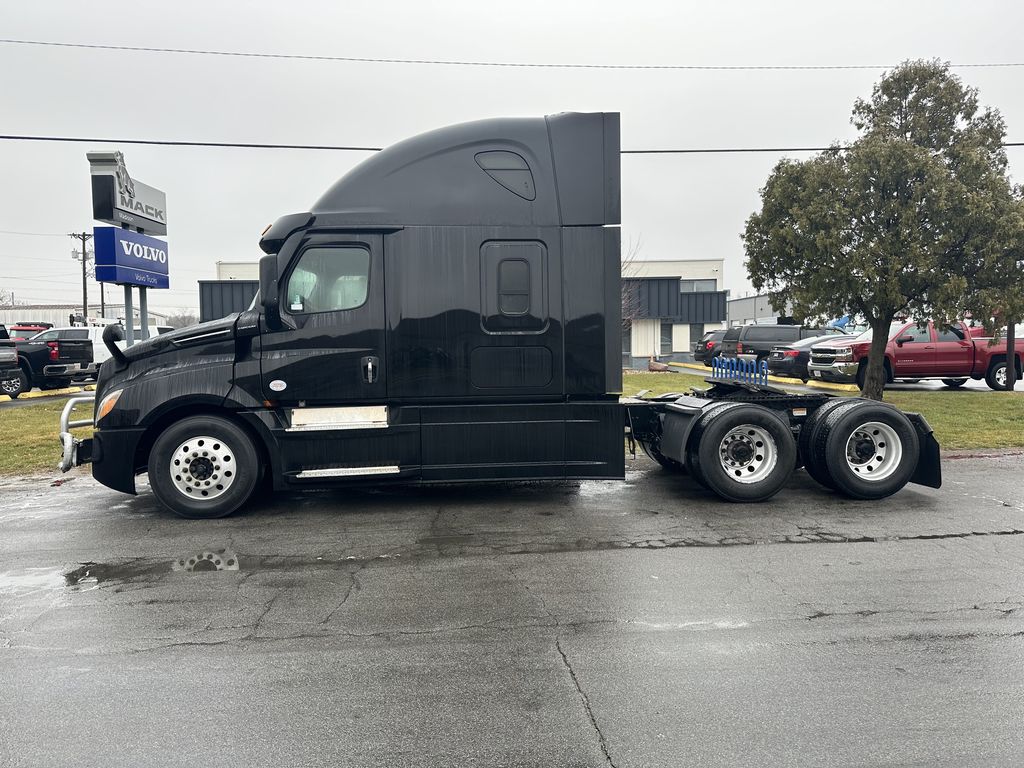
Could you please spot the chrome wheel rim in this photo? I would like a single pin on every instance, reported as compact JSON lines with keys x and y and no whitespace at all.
{"x":748,"y":454}
{"x":203,"y":468}
{"x":1000,"y":375}
{"x":10,"y":385}
{"x":874,"y":451}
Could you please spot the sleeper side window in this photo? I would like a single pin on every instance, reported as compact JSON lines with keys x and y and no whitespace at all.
{"x":513,"y":287}
{"x":328,"y":280}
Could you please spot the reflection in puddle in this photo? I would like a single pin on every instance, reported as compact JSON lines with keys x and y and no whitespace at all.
{"x":218,"y":560}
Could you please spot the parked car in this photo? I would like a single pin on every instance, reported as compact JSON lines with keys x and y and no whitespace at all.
{"x":10,"y":373}
{"x":914,"y":352}
{"x":49,"y":360}
{"x":790,"y":360}
{"x":709,"y":347}
{"x":755,"y":342}
{"x":24,"y":331}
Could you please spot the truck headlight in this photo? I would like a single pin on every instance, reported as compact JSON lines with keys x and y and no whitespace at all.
{"x":844,"y":354}
{"x":107,"y":404}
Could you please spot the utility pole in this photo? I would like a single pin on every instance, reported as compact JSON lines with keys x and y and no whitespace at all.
{"x":84,"y":237}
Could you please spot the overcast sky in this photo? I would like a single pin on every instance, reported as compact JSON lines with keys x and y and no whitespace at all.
{"x":219,"y":200}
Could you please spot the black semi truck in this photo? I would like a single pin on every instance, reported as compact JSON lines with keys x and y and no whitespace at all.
{"x":449,"y":311}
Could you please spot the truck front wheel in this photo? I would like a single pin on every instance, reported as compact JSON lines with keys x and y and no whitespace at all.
{"x":743,"y":454}
{"x":203,"y":467}
{"x":870,"y":449}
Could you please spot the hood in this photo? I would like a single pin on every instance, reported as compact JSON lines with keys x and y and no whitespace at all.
{"x":222,"y":329}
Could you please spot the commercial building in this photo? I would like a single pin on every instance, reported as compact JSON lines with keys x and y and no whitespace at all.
{"x":755,"y":309}
{"x":61,"y":314}
{"x":667,"y":306}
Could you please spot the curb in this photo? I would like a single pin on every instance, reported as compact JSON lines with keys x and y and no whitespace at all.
{"x":50,"y":393}
{"x":779,"y":380}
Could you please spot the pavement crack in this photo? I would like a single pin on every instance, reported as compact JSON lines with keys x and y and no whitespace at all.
{"x":353,"y":587}
{"x":602,"y":742}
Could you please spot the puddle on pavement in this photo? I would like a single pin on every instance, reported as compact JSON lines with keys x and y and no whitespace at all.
{"x":216,"y":560}
{"x":31,"y":581}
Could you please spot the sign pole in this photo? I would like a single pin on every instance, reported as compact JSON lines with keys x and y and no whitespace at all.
{"x":129,"y":334}
{"x":144,"y":312}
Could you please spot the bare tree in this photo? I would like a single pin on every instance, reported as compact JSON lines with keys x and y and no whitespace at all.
{"x":6,"y":298}
{"x":182,"y":319}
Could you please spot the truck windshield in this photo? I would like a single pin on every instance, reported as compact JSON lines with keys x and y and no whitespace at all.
{"x":866,"y":335}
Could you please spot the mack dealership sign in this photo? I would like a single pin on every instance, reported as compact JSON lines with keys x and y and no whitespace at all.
{"x":128,"y":258}
{"x":119,"y":199}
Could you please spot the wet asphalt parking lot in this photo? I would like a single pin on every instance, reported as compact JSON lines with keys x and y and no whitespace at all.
{"x":636,"y":623}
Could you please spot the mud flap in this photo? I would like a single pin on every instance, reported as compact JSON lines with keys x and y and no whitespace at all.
{"x":929,"y":467}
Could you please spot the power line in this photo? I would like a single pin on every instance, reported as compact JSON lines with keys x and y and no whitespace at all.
{"x":474,"y":63}
{"x":162,"y":143}
{"x":344,"y":148}
{"x":32,"y":234}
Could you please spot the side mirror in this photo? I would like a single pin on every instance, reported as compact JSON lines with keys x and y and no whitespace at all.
{"x":269,"y":297}
{"x":904,"y":339}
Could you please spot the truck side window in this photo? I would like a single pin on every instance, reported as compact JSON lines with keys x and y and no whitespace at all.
{"x":328,"y":280}
{"x":513,"y":286}
{"x":950,"y":334}
{"x":921,"y":334}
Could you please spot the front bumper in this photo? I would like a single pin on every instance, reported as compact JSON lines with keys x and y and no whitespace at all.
{"x":110,"y":451}
{"x":839,"y":372}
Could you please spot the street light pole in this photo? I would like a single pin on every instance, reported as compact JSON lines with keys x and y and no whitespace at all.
{"x":84,"y":237}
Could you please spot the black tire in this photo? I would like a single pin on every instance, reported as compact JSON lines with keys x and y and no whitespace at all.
{"x":954,"y":383}
{"x":996,"y":375}
{"x":14,"y":386}
{"x":756,"y":432}
{"x":655,"y":453}
{"x":814,"y":462}
{"x":862,"y":373}
{"x":690,"y":461}
{"x":894,"y":455}
{"x":230,"y":446}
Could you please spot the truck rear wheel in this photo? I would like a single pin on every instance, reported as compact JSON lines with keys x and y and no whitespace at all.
{"x":15,"y":385}
{"x":996,"y":376}
{"x":203,"y":467}
{"x":743,"y":454}
{"x":814,"y":462}
{"x":954,"y":383}
{"x":690,"y":459}
{"x":870,"y":449}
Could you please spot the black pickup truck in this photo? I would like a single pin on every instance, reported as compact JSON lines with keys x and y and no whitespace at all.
{"x":49,"y":360}
{"x":10,"y":373}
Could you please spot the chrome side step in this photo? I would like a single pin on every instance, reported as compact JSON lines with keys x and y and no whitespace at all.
{"x":308,"y":474}
{"x":323,"y":419}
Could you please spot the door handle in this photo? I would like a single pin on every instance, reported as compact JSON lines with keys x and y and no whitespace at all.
{"x":371,"y":369}
{"x":929,"y":347}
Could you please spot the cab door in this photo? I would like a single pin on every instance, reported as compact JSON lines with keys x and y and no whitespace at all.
{"x":954,"y":352}
{"x":330,"y":350}
{"x":916,"y":355}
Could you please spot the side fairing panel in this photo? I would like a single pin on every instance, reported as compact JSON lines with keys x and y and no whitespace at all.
{"x":446,"y":340}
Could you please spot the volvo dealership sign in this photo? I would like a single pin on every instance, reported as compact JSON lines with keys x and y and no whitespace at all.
{"x":128,"y":258}
{"x":119,"y":199}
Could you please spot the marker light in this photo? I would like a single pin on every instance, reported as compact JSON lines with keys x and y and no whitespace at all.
{"x":107,"y":404}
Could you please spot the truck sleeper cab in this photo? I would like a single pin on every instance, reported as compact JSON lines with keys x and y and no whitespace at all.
{"x":449,"y":311}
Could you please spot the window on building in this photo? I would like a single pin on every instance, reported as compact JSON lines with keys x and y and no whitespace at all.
{"x":627,"y":337}
{"x":697,"y":286}
{"x":666,"y":338}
